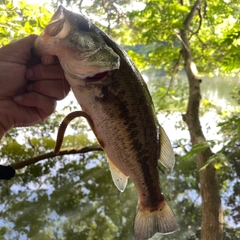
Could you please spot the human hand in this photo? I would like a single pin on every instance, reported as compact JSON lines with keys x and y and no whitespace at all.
{"x":28,"y":91}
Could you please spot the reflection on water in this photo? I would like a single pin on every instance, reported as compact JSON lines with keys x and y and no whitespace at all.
{"x":218,"y":89}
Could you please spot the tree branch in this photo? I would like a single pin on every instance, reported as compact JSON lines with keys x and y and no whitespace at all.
{"x":200,"y":23}
{"x":65,"y":151}
{"x":176,"y":65}
{"x":191,"y":14}
{"x":80,"y":5}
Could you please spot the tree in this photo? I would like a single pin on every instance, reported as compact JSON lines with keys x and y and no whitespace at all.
{"x":189,"y":24}
{"x":212,"y":214}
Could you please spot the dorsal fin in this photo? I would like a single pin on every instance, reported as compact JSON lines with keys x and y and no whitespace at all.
{"x":119,"y":179}
{"x":167,"y":156}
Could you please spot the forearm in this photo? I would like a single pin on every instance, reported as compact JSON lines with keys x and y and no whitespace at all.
{"x":6,"y":121}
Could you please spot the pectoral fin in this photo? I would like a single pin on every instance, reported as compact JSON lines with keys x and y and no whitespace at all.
{"x":167,"y":156}
{"x":119,"y":179}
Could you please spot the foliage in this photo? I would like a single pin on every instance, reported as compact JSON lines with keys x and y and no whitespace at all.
{"x":20,"y":19}
{"x":231,"y":165}
{"x":168,"y":92}
{"x":79,"y":195}
{"x":158,"y":24}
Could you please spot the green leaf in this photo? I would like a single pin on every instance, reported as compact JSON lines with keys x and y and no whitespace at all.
{"x":216,"y":157}
{"x":197,"y":148}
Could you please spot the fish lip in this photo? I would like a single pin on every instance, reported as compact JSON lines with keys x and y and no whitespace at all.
{"x":64,"y":13}
{"x":61,"y":14}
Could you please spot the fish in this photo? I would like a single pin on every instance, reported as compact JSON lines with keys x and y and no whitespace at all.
{"x":117,"y":104}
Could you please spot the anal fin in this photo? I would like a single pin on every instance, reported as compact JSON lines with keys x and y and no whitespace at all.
{"x":167,"y":156}
{"x":119,"y":178}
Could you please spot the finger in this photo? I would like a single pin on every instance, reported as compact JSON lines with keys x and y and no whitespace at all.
{"x":45,"y":105}
{"x":57,"y":89}
{"x":49,"y":60}
{"x":41,"y":71}
{"x":19,"y":50}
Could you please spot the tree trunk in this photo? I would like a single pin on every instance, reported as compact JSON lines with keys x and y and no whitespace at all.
{"x":212,"y":214}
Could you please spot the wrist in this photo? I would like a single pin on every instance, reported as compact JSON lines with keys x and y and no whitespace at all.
{"x":2,"y":131}
{"x":3,"y":127}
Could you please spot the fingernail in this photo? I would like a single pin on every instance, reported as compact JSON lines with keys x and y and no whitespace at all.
{"x":29,"y":73}
{"x":18,"y":98}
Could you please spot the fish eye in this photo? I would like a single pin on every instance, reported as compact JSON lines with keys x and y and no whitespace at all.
{"x":83,"y":26}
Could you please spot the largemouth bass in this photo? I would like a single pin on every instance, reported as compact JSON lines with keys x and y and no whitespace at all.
{"x":116,"y":102}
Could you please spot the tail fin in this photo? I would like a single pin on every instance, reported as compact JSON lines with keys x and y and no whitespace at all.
{"x":160,"y":221}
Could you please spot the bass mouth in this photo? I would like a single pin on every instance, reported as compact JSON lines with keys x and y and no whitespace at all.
{"x":97,"y":77}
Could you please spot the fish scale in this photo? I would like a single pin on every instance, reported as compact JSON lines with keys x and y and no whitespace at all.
{"x":118,"y":106}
